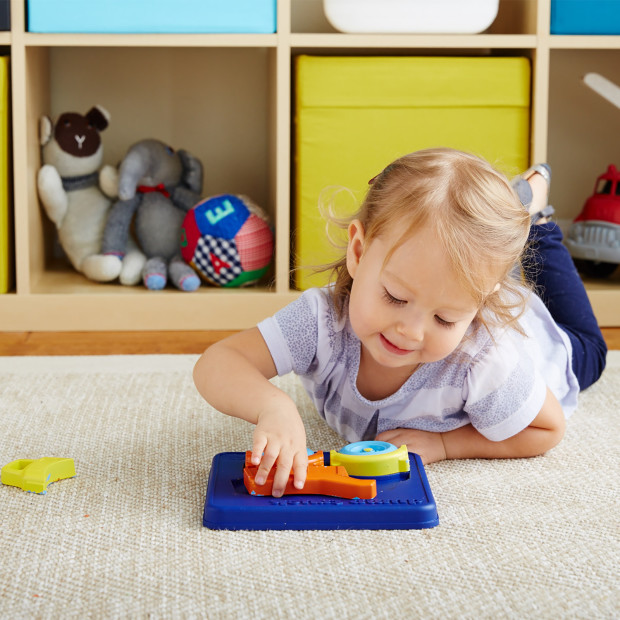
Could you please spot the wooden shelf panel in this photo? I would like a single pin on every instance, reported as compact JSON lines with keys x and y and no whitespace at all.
{"x":606,"y":304}
{"x":60,"y":279}
{"x":412,"y":41}
{"x":140,"y":310}
{"x":149,"y":40}
{"x":582,"y":42}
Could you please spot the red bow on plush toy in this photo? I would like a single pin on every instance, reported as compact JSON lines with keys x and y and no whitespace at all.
{"x":161,"y":188}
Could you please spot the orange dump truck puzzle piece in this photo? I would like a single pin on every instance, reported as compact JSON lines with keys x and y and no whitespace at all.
{"x":322,"y":479}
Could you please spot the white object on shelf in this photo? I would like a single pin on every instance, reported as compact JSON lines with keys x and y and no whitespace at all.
{"x":411,"y":16}
{"x":603,"y":87}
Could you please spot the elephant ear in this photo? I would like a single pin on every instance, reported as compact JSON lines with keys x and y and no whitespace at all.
{"x":192,"y":171}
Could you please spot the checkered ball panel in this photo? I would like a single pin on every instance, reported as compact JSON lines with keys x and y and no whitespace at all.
{"x":218,"y":259}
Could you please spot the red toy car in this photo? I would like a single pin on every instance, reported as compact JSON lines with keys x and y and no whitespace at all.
{"x":594,"y":237}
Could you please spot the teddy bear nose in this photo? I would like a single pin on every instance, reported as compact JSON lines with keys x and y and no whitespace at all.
{"x":80,"y":141}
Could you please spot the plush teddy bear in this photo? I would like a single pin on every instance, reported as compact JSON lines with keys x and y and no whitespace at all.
{"x":158,"y":185}
{"x":70,"y":184}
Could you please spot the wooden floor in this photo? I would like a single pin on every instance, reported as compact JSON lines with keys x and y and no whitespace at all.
{"x":106,"y":343}
{"x":130,"y":343}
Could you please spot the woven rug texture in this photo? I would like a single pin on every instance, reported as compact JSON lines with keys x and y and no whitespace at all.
{"x":533,"y":538}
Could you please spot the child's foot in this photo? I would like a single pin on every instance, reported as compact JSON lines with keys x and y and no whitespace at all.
{"x":535,"y":193}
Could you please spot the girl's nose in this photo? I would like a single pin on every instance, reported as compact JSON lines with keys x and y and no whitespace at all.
{"x":412,"y":328}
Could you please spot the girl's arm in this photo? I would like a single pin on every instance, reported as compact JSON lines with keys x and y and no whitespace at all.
{"x":233,"y":376}
{"x":545,"y":431}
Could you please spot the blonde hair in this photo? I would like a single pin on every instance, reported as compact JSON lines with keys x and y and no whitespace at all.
{"x":475,"y":213}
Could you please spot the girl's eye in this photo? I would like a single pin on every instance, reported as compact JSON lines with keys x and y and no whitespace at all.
{"x":391,"y":299}
{"x":444,"y":323}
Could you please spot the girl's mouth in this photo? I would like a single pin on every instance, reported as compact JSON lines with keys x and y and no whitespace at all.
{"x":392,"y":348}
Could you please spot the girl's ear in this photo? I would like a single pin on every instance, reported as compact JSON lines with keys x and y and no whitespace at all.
{"x":355,"y":248}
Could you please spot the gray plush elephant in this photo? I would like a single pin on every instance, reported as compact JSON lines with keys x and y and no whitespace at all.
{"x":158,"y":185}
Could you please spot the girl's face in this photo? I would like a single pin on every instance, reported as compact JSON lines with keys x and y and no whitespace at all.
{"x":410,"y":309}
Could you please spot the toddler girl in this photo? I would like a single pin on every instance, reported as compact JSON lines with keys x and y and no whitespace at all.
{"x":428,"y":335}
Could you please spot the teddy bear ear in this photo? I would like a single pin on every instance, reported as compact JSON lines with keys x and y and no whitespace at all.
{"x":45,"y":130}
{"x":99,"y":117}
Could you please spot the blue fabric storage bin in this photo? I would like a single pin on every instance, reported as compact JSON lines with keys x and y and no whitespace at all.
{"x":585,"y":16}
{"x":152,"y":16}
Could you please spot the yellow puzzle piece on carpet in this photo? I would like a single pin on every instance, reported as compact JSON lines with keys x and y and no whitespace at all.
{"x":35,"y":474}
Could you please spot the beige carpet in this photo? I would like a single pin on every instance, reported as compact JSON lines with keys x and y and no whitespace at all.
{"x":536,"y":538}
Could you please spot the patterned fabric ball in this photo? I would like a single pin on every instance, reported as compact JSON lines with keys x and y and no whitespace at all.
{"x":227,"y":240}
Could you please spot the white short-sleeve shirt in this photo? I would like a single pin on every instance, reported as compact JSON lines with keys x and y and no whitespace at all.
{"x":496,"y":384}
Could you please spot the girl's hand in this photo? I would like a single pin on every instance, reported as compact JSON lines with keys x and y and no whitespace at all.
{"x":428,"y":445}
{"x":280,"y":441}
{"x":279,"y":438}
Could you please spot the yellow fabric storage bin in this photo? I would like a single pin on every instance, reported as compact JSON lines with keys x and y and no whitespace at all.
{"x":5,"y":236}
{"x":354,"y":115}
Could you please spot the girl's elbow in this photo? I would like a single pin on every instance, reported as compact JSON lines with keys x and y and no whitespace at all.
{"x":558,"y":431}
{"x":551,"y":423}
{"x":551,"y":436}
{"x":200,"y":372}
{"x":197,"y":375}
{"x":196,"y":372}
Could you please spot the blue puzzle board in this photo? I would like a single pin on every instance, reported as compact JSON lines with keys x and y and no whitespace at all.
{"x":400,"y":503}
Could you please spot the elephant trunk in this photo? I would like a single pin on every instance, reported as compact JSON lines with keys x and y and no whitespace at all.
{"x":135,"y":166}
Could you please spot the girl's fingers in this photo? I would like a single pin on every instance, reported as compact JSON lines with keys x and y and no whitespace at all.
{"x":283,"y":471}
{"x":266,"y":455}
{"x":300,"y":471}
{"x":269,"y":457}
{"x":257,"y":449}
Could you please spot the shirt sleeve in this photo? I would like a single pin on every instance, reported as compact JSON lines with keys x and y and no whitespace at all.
{"x":504,"y":391}
{"x":291,"y":334}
